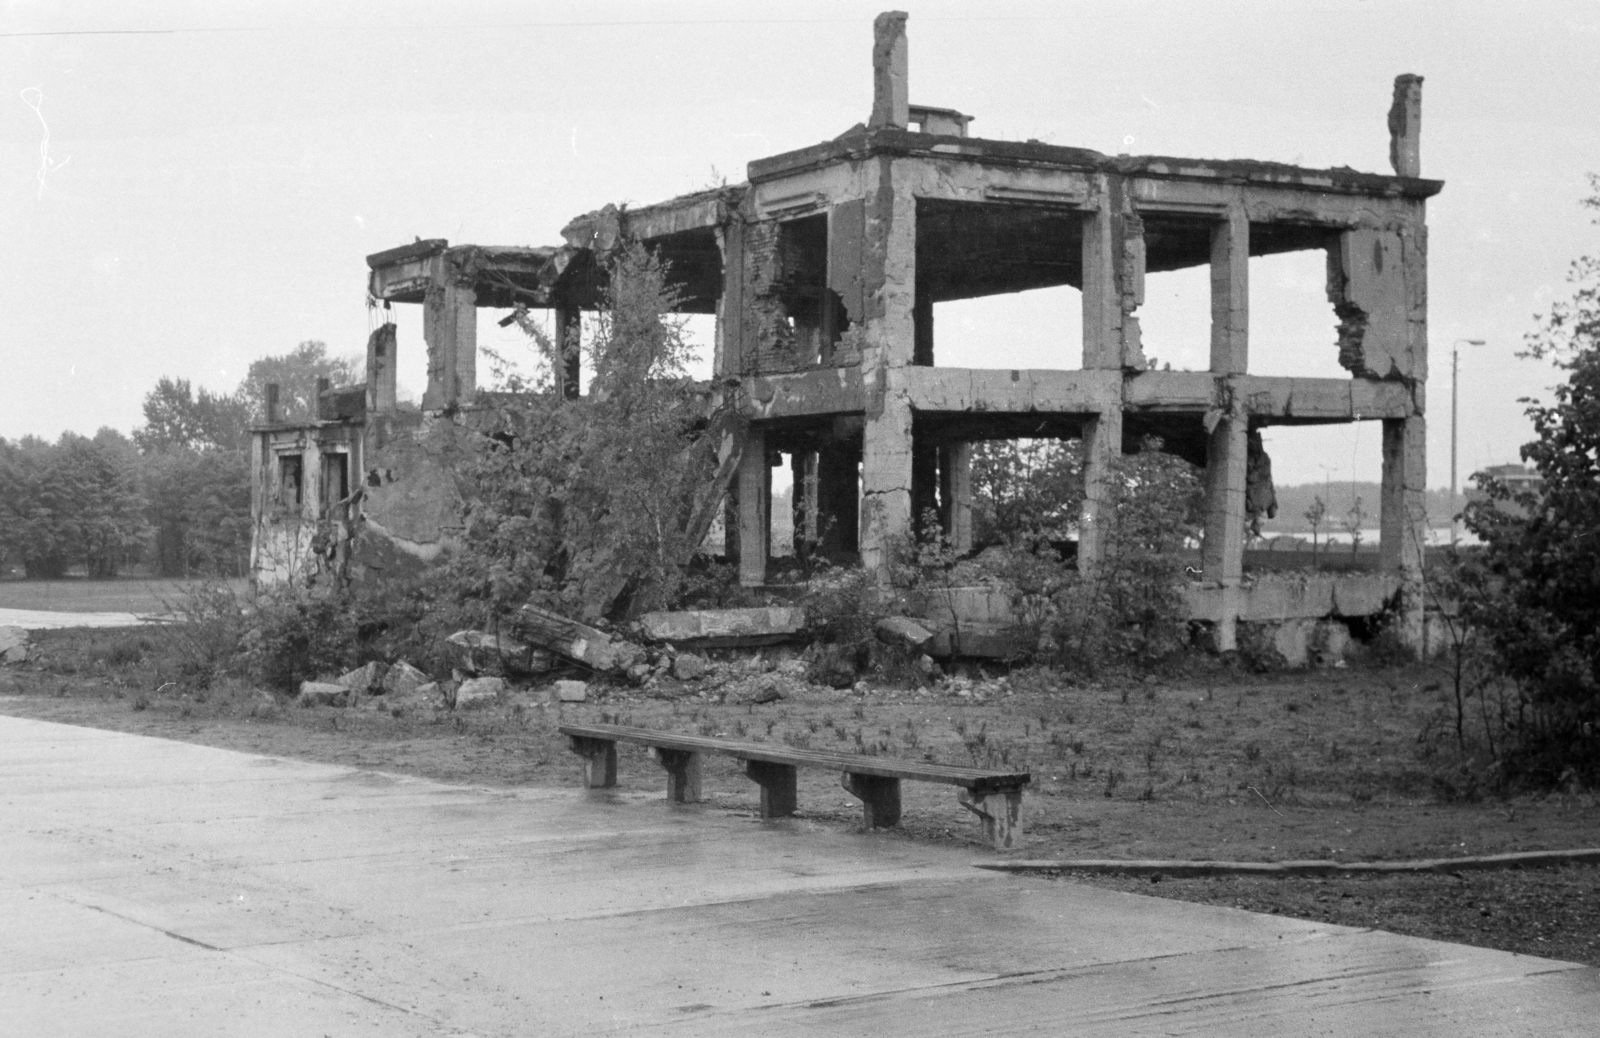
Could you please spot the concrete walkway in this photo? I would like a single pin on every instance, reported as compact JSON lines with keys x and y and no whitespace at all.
{"x":157,"y":888}
{"x":50,"y":619}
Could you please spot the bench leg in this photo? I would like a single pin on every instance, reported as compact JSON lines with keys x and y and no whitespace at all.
{"x":880,"y":798}
{"x":683,"y":774}
{"x":779,"y":796}
{"x":1001,"y":815}
{"x":599,"y":761}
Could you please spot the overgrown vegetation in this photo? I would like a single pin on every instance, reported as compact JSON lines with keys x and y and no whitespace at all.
{"x":594,"y":507}
{"x":1530,"y":600}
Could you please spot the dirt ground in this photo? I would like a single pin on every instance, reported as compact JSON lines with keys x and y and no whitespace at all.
{"x":1205,"y":762}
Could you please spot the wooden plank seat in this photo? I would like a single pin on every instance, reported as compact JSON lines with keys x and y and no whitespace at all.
{"x":994,"y":796}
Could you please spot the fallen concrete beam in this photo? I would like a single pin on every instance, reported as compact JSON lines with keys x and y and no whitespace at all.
{"x":1292,"y":596}
{"x":724,"y":628}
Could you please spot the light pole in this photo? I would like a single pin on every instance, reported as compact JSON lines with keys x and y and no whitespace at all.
{"x":1455,"y":370}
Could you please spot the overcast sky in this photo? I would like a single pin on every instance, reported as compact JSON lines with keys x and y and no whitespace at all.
{"x":187,"y":187}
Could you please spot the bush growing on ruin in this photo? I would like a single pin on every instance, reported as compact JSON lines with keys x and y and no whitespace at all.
{"x":594,"y":507}
{"x":1128,"y":608}
{"x":1534,"y":593}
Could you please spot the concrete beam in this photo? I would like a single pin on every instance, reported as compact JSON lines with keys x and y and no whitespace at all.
{"x":819,"y":392}
{"x":1278,"y":399}
{"x":954,"y":390}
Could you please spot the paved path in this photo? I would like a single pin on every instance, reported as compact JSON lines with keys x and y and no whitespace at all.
{"x":49,"y":619}
{"x":157,"y":888}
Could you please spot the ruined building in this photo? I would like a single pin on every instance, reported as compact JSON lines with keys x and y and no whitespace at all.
{"x":823,"y":271}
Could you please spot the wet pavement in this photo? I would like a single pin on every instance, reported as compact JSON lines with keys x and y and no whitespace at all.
{"x":150,"y":887}
{"x":49,"y":620}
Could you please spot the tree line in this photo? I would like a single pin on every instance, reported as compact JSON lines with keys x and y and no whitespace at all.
{"x":174,"y":497}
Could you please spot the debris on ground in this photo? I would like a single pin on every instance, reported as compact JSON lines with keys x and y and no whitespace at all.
{"x":577,"y":641}
{"x":366,"y":679}
{"x":481,"y":654}
{"x":13,"y":645}
{"x":403,"y":679}
{"x":322,"y":693}
{"x":479,"y":692}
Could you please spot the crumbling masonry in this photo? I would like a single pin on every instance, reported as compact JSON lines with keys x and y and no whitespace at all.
{"x":823,"y":271}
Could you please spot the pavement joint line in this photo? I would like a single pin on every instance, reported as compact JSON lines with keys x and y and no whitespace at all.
{"x":1178,"y":868}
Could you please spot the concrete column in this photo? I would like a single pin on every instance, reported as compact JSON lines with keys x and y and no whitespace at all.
{"x":450,"y":329}
{"x":922,"y":333}
{"x":924,"y":484}
{"x":839,"y":499}
{"x":1222,"y":550}
{"x":755,"y":498}
{"x":1102,"y":299}
{"x":1405,"y":126}
{"x":803,"y":467}
{"x":891,"y":93}
{"x":1102,"y":446}
{"x":1230,"y":294}
{"x":569,"y":333}
{"x":381,"y":365}
{"x":890,"y":286}
{"x":1403,"y":517}
{"x":955,"y":495}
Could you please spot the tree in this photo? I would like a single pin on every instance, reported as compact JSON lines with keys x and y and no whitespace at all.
{"x":1536,"y":590}
{"x":1314,"y":515}
{"x":591,"y":506}
{"x":296,"y":374}
{"x":1354,"y":520}
{"x":1025,"y":486}
{"x":177,"y":418}
{"x":75,"y":501}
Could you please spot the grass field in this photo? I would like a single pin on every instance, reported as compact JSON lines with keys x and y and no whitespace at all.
{"x":1203,"y":763}
{"x":143,"y":595}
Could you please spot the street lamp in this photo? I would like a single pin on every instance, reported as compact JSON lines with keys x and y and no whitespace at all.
{"x":1455,"y":370}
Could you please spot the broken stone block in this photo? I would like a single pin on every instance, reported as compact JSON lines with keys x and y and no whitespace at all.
{"x":13,"y":645}
{"x":430,"y":695}
{"x":322,"y":693}
{"x":479,"y":653}
{"x":768,"y":692}
{"x":834,"y":666}
{"x":724,"y":628}
{"x":902,"y":630}
{"x":479,"y":692}
{"x":577,"y":641}
{"x":572,"y":691}
{"x":639,"y":673}
{"x":689,"y":667}
{"x":366,"y":679}
{"x":403,"y":679}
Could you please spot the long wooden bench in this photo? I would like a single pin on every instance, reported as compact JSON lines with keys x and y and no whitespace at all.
{"x":994,"y":796}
